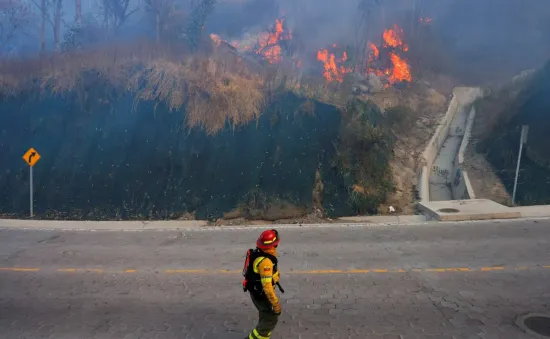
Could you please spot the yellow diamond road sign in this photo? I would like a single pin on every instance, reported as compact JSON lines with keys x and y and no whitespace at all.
{"x":31,"y":157}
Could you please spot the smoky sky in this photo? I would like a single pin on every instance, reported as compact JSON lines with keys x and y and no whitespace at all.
{"x":499,"y":36}
{"x":492,"y":36}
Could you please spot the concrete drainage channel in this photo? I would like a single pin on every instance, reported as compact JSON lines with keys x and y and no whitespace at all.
{"x":441,"y":176}
{"x":445,"y":191}
{"x":535,"y":324}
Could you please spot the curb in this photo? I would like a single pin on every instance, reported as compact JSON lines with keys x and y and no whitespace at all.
{"x":126,"y":226}
{"x":189,"y":224}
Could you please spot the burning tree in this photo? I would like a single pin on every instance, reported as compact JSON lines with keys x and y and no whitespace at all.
{"x":387,"y":60}
{"x":272,"y":45}
{"x":269,"y":43}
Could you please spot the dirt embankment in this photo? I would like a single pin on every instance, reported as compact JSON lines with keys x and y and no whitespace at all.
{"x":493,"y":150}
{"x":417,"y":111}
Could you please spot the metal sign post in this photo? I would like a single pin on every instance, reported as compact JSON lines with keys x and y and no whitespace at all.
{"x":31,"y":192}
{"x":31,"y":157}
{"x":523,"y":140}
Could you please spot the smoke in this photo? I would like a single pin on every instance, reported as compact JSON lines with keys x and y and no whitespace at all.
{"x":322,"y":22}
{"x":495,"y":38}
{"x":487,"y":39}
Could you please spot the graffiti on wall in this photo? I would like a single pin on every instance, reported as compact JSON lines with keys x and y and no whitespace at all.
{"x":440,"y":172}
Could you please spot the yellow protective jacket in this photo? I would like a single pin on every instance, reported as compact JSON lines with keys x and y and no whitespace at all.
{"x":264,"y":267}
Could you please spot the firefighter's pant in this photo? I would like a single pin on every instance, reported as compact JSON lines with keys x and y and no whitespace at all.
{"x":268,"y":320}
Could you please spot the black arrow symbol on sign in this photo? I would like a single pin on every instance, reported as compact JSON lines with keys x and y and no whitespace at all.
{"x":30,"y":157}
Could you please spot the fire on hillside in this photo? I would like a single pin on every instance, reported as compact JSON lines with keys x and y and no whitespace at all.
{"x":393,"y":65}
{"x":385,"y":61}
{"x":267,"y":45}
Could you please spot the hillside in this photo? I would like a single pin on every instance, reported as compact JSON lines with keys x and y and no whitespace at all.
{"x":151,"y":136}
{"x":524,"y":101}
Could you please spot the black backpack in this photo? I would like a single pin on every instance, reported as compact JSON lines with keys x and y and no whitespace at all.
{"x":252,"y":280}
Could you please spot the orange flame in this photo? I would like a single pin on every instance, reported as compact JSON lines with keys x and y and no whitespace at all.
{"x":268,"y":42}
{"x":394,"y":38}
{"x":375,"y":51}
{"x":401,"y":70}
{"x":374,"y":54}
{"x":216,"y":39}
{"x":334,"y":71}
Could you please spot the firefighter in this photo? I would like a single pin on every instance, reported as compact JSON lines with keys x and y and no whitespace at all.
{"x":261,"y":276}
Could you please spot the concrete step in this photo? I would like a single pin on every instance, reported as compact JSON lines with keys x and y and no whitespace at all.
{"x":473,"y":209}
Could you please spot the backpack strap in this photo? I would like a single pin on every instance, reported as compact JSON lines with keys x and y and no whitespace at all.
{"x":269,"y":256}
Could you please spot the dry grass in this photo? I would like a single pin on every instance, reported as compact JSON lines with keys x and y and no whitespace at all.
{"x":214,"y":90}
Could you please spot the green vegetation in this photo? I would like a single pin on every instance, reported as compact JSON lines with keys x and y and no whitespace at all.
{"x":363,"y":155}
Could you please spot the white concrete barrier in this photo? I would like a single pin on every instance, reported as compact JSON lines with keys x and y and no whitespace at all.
{"x":462,"y":96}
{"x":461,"y":186}
{"x":424,"y":184}
{"x":431,"y":151}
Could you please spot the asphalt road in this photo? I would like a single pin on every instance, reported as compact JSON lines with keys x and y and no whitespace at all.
{"x":464,"y":280}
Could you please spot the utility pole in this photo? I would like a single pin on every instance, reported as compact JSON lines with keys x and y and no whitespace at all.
{"x":523,"y":140}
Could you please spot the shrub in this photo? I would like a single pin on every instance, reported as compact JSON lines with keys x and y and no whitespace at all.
{"x":363,"y":154}
{"x":212,"y":91}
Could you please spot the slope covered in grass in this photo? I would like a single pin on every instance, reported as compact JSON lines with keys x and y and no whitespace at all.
{"x":140,"y":133}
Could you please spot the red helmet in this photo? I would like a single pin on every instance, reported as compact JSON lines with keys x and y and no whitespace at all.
{"x":268,"y":239}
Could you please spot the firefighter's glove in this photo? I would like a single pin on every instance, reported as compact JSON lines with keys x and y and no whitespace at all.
{"x":277,"y":309}
{"x":276,"y":278}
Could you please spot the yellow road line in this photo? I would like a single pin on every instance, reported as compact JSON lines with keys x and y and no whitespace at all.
{"x":522,"y":268}
{"x":301,"y":272}
{"x":72,"y":270}
{"x":19,"y":269}
{"x":435,"y":270}
{"x":66,"y":269}
{"x":447,"y":269}
{"x":496,"y":268}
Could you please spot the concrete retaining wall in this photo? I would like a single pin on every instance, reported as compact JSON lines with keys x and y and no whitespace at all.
{"x":461,"y":186}
{"x":424,"y":184}
{"x":431,"y":151}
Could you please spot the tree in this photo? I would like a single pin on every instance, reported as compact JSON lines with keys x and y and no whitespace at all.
{"x":160,"y":11}
{"x":44,"y":9}
{"x":197,"y":19}
{"x":362,"y":27}
{"x":78,"y":12}
{"x":43,"y":16}
{"x":115,"y":13}
{"x":14,"y":16}
{"x":57,"y":14}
